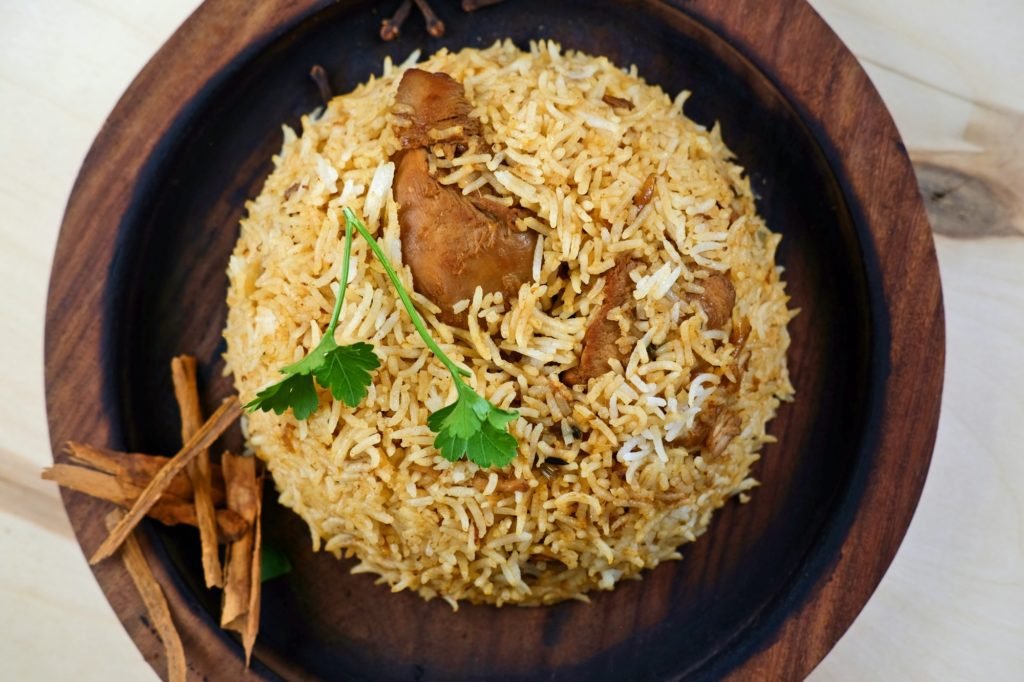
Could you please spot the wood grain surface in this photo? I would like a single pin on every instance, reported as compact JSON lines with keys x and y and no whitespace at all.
{"x":41,"y":516}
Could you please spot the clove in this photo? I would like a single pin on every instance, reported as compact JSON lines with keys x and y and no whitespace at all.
{"x":435,"y":26}
{"x":389,"y":28}
{"x":474,"y":5}
{"x":319,"y":76}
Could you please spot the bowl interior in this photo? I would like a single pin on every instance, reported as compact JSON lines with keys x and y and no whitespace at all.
{"x":700,"y":616}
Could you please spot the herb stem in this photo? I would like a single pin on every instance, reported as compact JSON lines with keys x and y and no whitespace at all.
{"x":417,"y":321}
{"x":343,"y":282}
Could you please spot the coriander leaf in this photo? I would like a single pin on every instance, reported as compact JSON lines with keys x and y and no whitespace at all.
{"x":347,"y":372}
{"x":436,"y":419}
{"x":481,"y":408}
{"x":315,"y":359}
{"x":461,"y":431}
{"x":471,"y":426}
{"x":491,"y":446}
{"x":451,"y":447}
{"x":499,"y":418}
{"x":273,"y":563}
{"x":463,"y":420}
{"x":296,"y":391}
{"x":344,"y":370}
{"x":351,"y":221}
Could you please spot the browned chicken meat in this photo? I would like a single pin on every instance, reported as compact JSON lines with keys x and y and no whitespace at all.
{"x":431,"y":108}
{"x":453,"y":244}
{"x":718,"y":300}
{"x":714,"y":429}
{"x":601,"y":340}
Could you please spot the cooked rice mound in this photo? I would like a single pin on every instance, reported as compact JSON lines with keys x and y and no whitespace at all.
{"x":611,"y":477}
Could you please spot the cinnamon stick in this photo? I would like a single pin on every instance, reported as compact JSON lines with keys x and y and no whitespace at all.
{"x":186,"y":392}
{"x":139,"y":469}
{"x":240,"y":484}
{"x":225,"y":415}
{"x":169,"y":510}
{"x":153,"y":597}
{"x":242,"y":583}
{"x":252,"y":616}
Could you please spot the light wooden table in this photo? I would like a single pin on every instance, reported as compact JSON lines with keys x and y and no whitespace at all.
{"x":951,"y":606}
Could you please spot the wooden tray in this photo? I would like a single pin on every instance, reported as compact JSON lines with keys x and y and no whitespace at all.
{"x":139,"y":276}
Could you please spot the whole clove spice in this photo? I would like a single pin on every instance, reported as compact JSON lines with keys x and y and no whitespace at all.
{"x":474,"y":5}
{"x":389,"y":28}
{"x":435,"y":26}
{"x":319,"y":76}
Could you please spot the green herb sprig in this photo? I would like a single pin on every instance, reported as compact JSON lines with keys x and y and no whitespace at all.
{"x":346,"y":371}
{"x":471,"y":427}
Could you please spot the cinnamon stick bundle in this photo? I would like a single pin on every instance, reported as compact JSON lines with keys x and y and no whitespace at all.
{"x":184,"y":489}
{"x":241,"y":607}
{"x":225,"y":415}
{"x":136,"y":469}
{"x":186,"y":392}
{"x":169,"y":510}
{"x":153,"y":597}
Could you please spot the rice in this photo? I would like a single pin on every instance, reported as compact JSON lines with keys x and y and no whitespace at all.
{"x":610,"y":478}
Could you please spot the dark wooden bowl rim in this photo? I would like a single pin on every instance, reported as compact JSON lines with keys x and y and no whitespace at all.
{"x":878,"y":175}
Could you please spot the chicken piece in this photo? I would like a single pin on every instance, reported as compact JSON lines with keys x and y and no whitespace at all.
{"x":431,"y":108}
{"x":453,"y":243}
{"x":738,"y":338}
{"x":718,"y":300}
{"x":701,"y":429}
{"x":714,"y":430}
{"x":726,"y":428}
{"x":600,"y":341}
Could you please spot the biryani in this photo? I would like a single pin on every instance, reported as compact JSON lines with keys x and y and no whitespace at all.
{"x":592,"y":257}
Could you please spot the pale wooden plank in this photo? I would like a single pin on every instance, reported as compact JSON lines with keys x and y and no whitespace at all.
{"x":59,"y":626}
{"x":24,"y":494}
{"x":970,"y":49}
{"x":63,"y":65}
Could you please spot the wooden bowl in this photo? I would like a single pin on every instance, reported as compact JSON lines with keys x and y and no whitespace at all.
{"x":139,"y":276}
